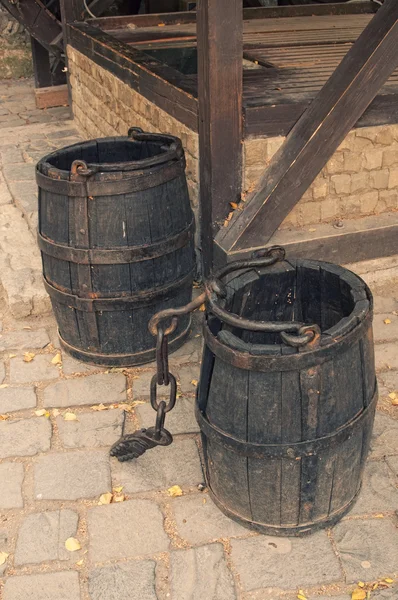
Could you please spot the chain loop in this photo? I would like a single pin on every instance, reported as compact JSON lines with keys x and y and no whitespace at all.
{"x":307,"y":335}
{"x":162,"y":358}
{"x":160,"y":419}
{"x":172,"y":396}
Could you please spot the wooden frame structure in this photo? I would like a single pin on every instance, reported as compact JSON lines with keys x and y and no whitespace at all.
{"x":314,"y":128}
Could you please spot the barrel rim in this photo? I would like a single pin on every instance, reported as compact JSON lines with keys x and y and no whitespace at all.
{"x":360,"y":293}
{"x":174,"y":152}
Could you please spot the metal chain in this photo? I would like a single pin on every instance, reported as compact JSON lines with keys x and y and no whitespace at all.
{"x":163,"y":377}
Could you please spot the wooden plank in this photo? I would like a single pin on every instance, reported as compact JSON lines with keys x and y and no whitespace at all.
{"x":361,"y":239}
{"x":48,"y":97}
{"x":316,"y":136}
{"x":220,"y":114}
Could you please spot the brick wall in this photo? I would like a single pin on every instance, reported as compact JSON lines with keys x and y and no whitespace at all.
{"x":361,"y":178}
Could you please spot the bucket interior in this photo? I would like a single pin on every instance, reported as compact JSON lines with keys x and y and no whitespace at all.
{"x":106,"y":151}
{"x":305,"y":294}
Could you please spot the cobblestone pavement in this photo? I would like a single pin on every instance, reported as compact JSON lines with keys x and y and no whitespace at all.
{"x":55,"y":466}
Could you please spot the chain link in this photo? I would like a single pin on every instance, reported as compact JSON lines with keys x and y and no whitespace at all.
{"x":162,"y":378}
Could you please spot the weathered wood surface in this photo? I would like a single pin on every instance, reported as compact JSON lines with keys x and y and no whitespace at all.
{"x":260,"y":471}
{"x":220,"y":114}
{"x":48,"y":97}
{"x":117,"y":246}
{"x":316,"y":136}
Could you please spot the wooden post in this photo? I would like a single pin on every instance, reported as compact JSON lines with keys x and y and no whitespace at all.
{"x":41,"y":64}
{"x":71,"y":10}
{"x":220,"y":72}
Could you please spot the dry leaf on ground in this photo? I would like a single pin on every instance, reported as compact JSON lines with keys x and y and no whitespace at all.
{"x":358,"y":594}
{"x":119,"y":498}
{"x":70,"y":416}
{"x":42,"y":412}
{"x":3,"y":557}
{"x":28,"y":357}
{"x":57,"y":360}
{"x":194,"y":382}
{"x":105,"y":499}
{"x":80,"y":562}
{"x":118,"y":489}
{"x":99,"y":407}
{"x":4,"y":417}
{"x":3,"y":386}
{"x":174,"y":491}
{"x":72,"y":544}
{"x":12,"y":356}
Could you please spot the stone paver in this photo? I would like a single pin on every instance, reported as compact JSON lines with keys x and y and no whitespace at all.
{"x":72,"y":475}
{"x":2,"y":373}
{"x":161,"y":468}
{"x":386,"y":356}
{"x":39,"y":369}
{"x":109,"y":388}
{"x":126,"y":581}
{"x":379,"y":490}
{"x":201,"y":573}
{"x":392,"y":462}
{"x":16,"y":398}
{"x":189,"y":377}
{"x":24,"y":437}
{"x":180,"y":420}
{"x":92,"y":430}
{"x":11,"y":478}
{"x":51,"y":586}
{"x":42,"y":537}
{"x":199,"y":520}
{"x":385,"y":437}
{"x":367,"y":549}
{"x":141,"y":385}
{"x":125,"y":530}
{"x":385,"y":332}
{"x":23,"y":340}
{"x":70,"y":366}
{"x":389,"y":379}
{"x":285,"y":563}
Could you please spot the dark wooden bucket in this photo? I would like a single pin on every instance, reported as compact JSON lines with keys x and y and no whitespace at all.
{"x":286,"y":430}
{"x":116,"y":235}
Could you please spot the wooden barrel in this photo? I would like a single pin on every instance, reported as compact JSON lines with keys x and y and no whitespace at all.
{"x":285,"y":429}
{"x":116,"y":233}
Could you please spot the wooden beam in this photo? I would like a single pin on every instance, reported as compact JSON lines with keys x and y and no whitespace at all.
{"x":41,"y":64}
{"x":361,"y":239}
{"x":49,"y":97}
{"x":71,"y":11}
{"x":220,"y":82}
{"x":319,"y":132}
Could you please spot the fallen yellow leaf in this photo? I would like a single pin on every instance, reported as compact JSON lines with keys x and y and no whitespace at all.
{"x":11,"y":355}
{"x":358,"y":594}
{"x":80,"y":562}
{"x":194,"y":382}
{"x":389,"y":580}
{"x":301,"y":597}
{"x":28,"y":357}
{"x":174,"y":491}
{"x":137,"y":403}
{"x":387,"y":321}
{"x":233,"y":205}
{"x":99,"y":407}
{"x":4,"y":417}
{"x":119,"y":498}
{"x":312,"y":230}
{"x":55,"y":412}
{"x":42,"y":413}
{"x":361,"y":584}
{"x":3,"y":385}
{"x":394,"y":402}
{"x":118,"y":489}
{"x":393,"y":395}
{"x":3,"y":557}
{"x":105,"y":499}
{"x":202,"y":307}
{"x":57,"y":360}
{"x":70,"y":416}
{"x":72,"y":544}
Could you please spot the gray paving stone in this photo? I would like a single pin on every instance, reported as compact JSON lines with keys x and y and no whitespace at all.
{"x":13,"y":399}
{"x":386,"y":356}
{"x":200,"y":521}
{"x":25,"y":437}
{"x":5,"y":546}
{"x":379,"y":490}
{"x":389,"y":594}
{"x":2,"y":372}
{"x":190,"y":352}
{"x":180,"y":420}
{"x":187,"y":375}
{"x":201,"y":573}
{"x":385,"y":436}
{"x":125,"y":530}
{"x":392,"y":462}
{"x":24,"y":340}
{"x":141,"y":385}
{"x":51,"y":586}
{"x":11,"y":478}
{"x":178,"y":464}
{"x":389,"y":380}
{"x":367,"y":549}
{"x":385,"y":304}
{"x":42,"y":537}
{"x":19,"y":172}
{"x":72,"y":475}
{"x":127,"y":581}
{"x":70,"y":366}
{"x":385,"y":332}
{"x":39,"y":369}
{"x":92,"y":430}
{"x":106,"y":388}
{"x":285,"y":563}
